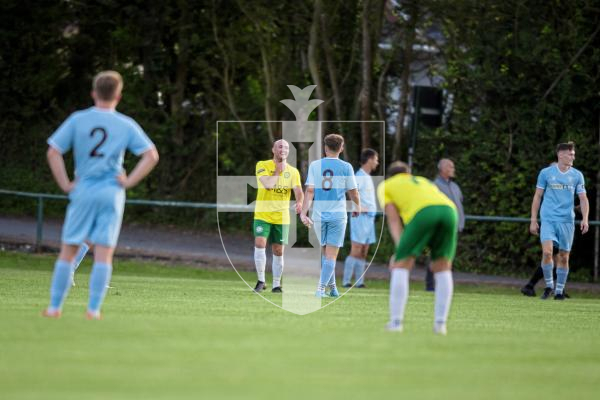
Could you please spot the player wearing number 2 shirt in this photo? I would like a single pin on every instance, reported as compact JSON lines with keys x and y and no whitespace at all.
{"x":98,"y":137}
{"x":327,"y":182}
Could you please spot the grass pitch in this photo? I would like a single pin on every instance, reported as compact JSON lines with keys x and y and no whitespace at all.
{"x":179,"y":333}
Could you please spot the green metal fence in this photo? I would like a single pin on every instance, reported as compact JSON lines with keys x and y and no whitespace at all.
{"x":41,"y":197}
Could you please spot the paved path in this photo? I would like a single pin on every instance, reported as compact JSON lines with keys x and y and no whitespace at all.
{"x":144,"y":241}
{"x":205,"y":249}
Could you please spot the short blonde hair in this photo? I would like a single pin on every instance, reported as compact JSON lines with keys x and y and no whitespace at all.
{"x":107,"y":85}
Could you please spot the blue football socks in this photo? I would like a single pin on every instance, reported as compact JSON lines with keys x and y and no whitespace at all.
{"x":99,"y":280}
{"x":61,"y":282}
{"x":348,"y":270}
{"x":561,"y":279}
{"x":359,"y":270}
{"x":548,"y":278}
{"x":327,"y":269}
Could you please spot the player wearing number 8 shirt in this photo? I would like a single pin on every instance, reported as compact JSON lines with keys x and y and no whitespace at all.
{"x":98,"y":137}
{"x":327,"y":182}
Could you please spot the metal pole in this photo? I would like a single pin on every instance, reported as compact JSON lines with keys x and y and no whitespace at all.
{"x":40,"y":224}
{"x":413,"y":139}
{"x":597,"y":228}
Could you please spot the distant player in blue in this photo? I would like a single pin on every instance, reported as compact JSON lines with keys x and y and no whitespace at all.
{"x":558,"y":184}
{"x":362,"y":228}
{"x":98,"y":137}
{"x":327,"y":182}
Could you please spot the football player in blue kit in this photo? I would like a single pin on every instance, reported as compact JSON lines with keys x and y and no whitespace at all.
{"x":98,"y":137}
{"x":362,"y":227}
{"x":327,"y":182}
{"x":557,"y":185}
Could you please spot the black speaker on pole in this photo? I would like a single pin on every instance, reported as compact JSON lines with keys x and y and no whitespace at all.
{"x":431,"y":105}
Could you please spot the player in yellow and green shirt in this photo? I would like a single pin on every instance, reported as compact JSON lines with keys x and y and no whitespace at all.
{"x":276,"y":180}
{"x":430,"y":220}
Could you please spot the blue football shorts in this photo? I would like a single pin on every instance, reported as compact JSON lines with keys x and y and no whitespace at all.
{"x":94,"y":213}
{"x":362,"y":229}
{"x":561,"y":233}
{"x":331,"y":233}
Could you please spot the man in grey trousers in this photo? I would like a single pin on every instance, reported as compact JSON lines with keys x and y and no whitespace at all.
{"x":444,"y":182}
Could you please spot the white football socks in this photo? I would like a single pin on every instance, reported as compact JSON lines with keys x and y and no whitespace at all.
{"x":277,"y":270}
{"x":260,"y":261}
{"x":444,"y":287}
{"x":398,"y":294}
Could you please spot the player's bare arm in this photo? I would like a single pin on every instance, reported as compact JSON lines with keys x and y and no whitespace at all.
{"x":355,"y":197}
{"x":269,"y":182}
{"x":308,"y":199}
{"x":534,"y":227}
{"x":144,"y":166}
{"x":394,"y":222}
{"x":59,"y":172}
{"x":585,"y":210}
{"x":299,"y":195}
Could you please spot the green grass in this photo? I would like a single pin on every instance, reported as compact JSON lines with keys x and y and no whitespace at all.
{"x":172,"y":333}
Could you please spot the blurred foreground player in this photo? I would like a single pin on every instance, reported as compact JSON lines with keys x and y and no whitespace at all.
{"x":430,"y":220}
{"x":98,"y":137}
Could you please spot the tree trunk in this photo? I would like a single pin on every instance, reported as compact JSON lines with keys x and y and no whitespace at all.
{"x":269,"y":113}
{"x":227,"y":76}
{"x":381,"y":87}
{"x":381,"y":80}
{"x":313,"y":64}
{"x":178,"y":113}
{"x":407,"y":58}
{"x":333,"y":78}
{"x":367,"y":70}
{"x":266,"y":69}
{"x":181,"y":73}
